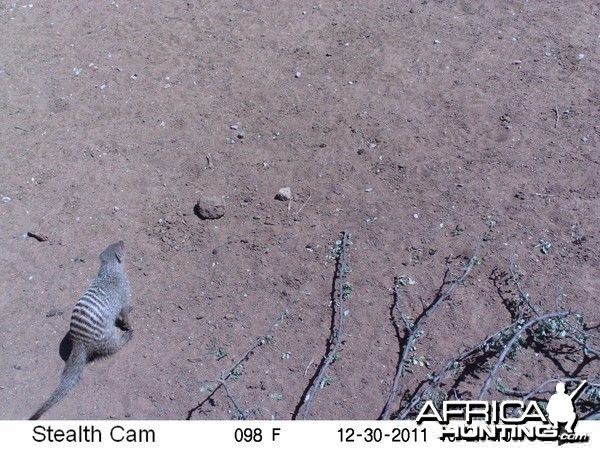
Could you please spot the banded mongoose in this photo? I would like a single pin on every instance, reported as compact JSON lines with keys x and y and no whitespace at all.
{"x":99,"y":323}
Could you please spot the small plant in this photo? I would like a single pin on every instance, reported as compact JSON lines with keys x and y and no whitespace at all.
{"x":220,"y":353}
{"x":265,"y":339}
{"x":500,"y":386}
{"x":237,"y":372}
{"x":207,"y":388}
{"x":544,"y":246}
{"x":325,"y":381}
{"x":402,"y":280}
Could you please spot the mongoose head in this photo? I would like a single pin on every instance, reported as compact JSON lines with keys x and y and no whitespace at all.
{"x":113,"y":253}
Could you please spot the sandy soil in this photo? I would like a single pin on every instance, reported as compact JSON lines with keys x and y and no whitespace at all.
{"x":429,"y":130}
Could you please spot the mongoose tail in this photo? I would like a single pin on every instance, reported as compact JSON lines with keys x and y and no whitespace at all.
{"x":68,"y":380}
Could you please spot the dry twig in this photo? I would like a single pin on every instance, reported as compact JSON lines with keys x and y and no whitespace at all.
{"x":414,"y":331}
{"x":435,"y":381}
{"x":331,"y":355}
{"x":37,"y":236}
{"x":510,"y":344}
{"x":514,"y":331}
{"x":304,"y":204}
{"x":226,"y":374}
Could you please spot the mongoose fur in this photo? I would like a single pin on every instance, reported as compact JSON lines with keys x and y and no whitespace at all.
{"x":96,"y":323}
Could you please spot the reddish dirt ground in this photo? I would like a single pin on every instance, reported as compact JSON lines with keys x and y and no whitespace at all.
{"x":430,"y":130}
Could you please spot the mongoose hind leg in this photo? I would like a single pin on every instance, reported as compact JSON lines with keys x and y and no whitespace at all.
{"x":116,"y":341}
{"x":123,"y":319}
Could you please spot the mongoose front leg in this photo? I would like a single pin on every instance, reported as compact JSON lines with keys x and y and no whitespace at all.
{"x":117,"y":341}
{"x":123,"y":319}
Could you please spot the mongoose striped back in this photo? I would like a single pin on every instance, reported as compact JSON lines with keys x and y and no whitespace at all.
{"x":90,"y":316}
{"x":99,"y":324}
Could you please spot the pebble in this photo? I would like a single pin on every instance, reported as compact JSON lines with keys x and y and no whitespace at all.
{"x":54,"y":312}
{"x":6,"y":199}
{"x":437,"y":42}
{"x":298,"y":74}
{"x":415,"y":216}
{"x":584,"y":139}
{"x":210,"y":208}
{"x":284,"y":194}
{"x":234,"y":126}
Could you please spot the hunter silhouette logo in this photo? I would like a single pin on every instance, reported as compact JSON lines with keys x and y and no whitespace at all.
{"x":510,"y":420}
{"x":560,"y":407}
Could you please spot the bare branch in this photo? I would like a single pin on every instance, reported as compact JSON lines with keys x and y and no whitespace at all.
{"x":510,"y":344}
{"x":240,"y":411}
{"x":226,"y":374}
{"x":413,"y":331}
{"x":341,"y":289}
{"x":515,"y":279}
{"x":435,"y":381}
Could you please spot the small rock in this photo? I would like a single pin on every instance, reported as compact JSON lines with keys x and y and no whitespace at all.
{"x":298,"y":74}
{"x":284,"y":194}
{"x":584,"y":139}
{"x":54,"y":312}
{"x":38,"y":236}
{"x":6,"y":199}
{"x":415,"y":216}
{"x":234,"y":126}
{"x":210,"y":208}
{"x":437,"y":41}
